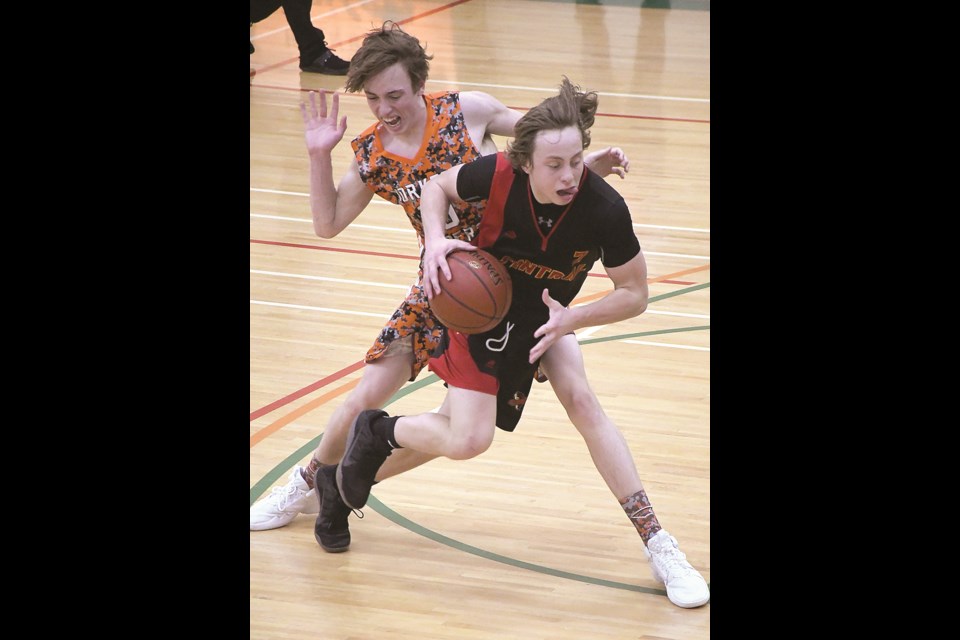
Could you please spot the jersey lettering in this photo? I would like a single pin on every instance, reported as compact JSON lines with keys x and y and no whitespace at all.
{"x":539,"y":271}
{"x":452,"y":218}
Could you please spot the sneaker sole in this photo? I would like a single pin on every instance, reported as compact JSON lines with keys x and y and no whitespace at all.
{"x":682,"y":605}
{"x":690,"y":605}
{"x":330,"y":549}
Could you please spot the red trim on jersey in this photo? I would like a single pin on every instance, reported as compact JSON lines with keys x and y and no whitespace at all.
{"x":492,"y":223}
{"x":533,"y":211}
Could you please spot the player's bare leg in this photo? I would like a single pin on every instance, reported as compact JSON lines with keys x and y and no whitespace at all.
{"x":563,"y":364}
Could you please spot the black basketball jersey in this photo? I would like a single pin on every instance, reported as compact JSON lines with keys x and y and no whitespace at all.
{"x":548,"y":246}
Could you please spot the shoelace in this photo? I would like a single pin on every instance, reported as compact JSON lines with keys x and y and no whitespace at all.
{"x":672,"y":561}
{"x":332,"y":54}
{"x":340,"y":521}
{"x":282,"y":494}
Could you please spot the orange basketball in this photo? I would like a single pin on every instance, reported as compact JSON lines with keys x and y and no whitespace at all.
{"x":478,"y":295}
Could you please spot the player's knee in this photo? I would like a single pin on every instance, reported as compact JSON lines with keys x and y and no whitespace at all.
{"x":582,"y":406}
{"x":471,"y":445}
{"x":359,"y":400}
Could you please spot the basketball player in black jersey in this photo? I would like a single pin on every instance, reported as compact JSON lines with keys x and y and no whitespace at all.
{"x":548,"y":219}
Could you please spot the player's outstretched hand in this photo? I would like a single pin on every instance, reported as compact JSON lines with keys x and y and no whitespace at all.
{"x":607,"y":161}
{"x":554,"y":329}
{"x":322,"y":133}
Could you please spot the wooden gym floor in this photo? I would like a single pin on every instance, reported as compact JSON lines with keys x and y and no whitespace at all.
{"x":524,"y":541}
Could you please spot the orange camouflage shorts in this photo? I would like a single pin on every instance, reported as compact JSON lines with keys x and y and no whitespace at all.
{"x":412,"y":325}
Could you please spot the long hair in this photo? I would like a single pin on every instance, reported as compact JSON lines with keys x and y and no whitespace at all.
{"x":571,"y":108}
{"x":384,"y":47}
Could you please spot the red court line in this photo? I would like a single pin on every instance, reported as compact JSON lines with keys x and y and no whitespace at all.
{"x":278,"y":424}
{"x":357,"y":365}
{"x":450,"y":5}
{"x":393,"y":255}
{"x":337,"y":249}
{"x":605,"y":115}
{"x":308,"y":389}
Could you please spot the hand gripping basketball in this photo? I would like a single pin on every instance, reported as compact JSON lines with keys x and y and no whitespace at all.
{"x":478,"y":295}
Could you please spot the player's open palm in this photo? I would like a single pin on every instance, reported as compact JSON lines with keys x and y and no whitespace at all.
{"x":321,"y":130}
{"x":553,"y":330}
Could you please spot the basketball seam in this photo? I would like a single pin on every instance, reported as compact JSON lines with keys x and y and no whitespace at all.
{"x":486,"y":289}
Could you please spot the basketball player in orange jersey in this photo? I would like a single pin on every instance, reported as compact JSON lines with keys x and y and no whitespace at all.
{"x":416,"y":135}
{"x":540,"y":178}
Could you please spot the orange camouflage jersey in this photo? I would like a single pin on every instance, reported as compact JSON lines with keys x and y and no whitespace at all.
{"x":446,"y":143}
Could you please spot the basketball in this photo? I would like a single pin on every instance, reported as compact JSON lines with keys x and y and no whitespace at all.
{"x":478,"y":295}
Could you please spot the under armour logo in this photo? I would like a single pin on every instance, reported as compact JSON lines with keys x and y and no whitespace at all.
{"x":546,"y":221}
{"x":499,"y":344}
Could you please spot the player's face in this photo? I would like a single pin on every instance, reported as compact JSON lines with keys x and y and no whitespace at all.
{"x":556,"y":165}
{"x":392,"y":99}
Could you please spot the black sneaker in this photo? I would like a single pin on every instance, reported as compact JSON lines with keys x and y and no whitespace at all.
{"x":331,"y":530}
{"x":327,"y":63}
{"x":363,"y":456}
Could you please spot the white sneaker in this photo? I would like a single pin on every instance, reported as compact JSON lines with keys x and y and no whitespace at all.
{"x":284,"y":504}
{"x":685,"y":586}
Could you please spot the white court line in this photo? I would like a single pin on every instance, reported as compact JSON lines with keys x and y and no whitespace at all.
{"x":586,"y":333}
{"x":663,"y":226}
{"x":589,"y":331}
{"x":325,"y":279}
{"x":488,"y":85}
{"x":554,"y":90}
{"x":380,"y":201}
{"x":353,"y":225}
{"x":701,"y":316}
{"x":316,"y":17}
{"x":667,"y":344}
{"x":368,"y":283}
{"x":410,"y":230}
{"x":324,"y":309}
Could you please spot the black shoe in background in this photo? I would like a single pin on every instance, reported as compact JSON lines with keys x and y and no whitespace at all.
{"x":327,"y":63}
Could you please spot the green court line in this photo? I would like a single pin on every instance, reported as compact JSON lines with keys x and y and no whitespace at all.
{"x":290,"y":461}
{"x":406,"y":523}
{"x":664,"y":296}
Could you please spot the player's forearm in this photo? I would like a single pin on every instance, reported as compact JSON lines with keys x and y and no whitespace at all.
{"x":434,"y":204}
{"x":323,"y":196}
{"x":620,"y":304}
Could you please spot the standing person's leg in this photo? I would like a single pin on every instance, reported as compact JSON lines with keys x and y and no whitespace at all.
{"x":259,"y":10}
{"x":563,"y":364}
{"x":262,"y":9}
{"x":315,"y":56}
